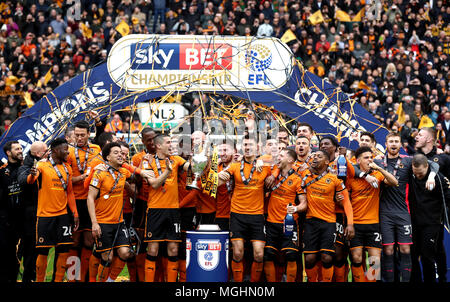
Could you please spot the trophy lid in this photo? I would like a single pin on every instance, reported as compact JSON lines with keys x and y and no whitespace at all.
{"x":208,"y":227}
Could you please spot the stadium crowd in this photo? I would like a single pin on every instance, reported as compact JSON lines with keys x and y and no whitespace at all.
{"x":393,"y":59}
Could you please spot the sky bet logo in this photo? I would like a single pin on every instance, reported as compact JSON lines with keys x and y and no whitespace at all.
{"x":180,"y":56}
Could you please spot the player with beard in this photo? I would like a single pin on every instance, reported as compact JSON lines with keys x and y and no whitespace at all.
{"x":205,"y":205}
{"x":188,"y":200}
{"x":223,"y":202}
{"x":303,"y":150}
{"x":341,"y":267}
{"x":366,"y":202}
{"x":53,"y":226}
{"x":163,"y":215}
{"x":270,"y":152}
{"x":284,"y":198}
{"x":38,"y":151}
{"x":394,"y":211}
{"x":247,"y":209}
{"x":98,"y":163}
{"x":11,"y":211}
{"x":321,"y":187}
{"x":368,"y":139}
{"x":142,"y":160}
{"x":80,"y":156}
{"x":304,"y":156}
{"x":105,"y":205}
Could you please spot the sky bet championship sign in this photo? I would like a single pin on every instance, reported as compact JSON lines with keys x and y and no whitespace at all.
{"x":139,"y":62}
{"x":144,"y":67}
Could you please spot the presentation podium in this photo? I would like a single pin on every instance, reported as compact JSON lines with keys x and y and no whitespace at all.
{"x":207,"y":254}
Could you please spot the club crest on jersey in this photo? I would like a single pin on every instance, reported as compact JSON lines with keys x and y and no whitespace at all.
{"x":328,"y":181}
{"x":290,"y":182}
{"x":208,"y":253}
{"x":401,"y":166}
{"x":435,"y":159}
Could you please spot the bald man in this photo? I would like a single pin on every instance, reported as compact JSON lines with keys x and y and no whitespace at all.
{"x":38,"y":151}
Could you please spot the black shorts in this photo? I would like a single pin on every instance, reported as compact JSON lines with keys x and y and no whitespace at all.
{"x":53,"y":231}
{"x":114,"y":235}
{"x":396,"y":228}
{"x":247,"y":227}
{"x":223,"y":223}
{"x":163,"y":225}
{"x":366,"y":236}
{"x":83,"y":214}
{"x":340,"y":227}
{"x":139,"y":215}
{"x":319,"y":236}
{"x":188,"y":219}
{"x":275,"y":238}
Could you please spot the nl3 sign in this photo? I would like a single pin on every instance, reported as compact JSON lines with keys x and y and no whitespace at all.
{"x":199,"y":63}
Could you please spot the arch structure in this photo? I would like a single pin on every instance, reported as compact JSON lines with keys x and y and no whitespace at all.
{"x":142,"y":68}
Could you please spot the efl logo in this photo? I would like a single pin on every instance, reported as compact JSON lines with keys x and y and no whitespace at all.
{"x":180,"y":56}
{"x":258,"y":58}
{"x":208,"y":254}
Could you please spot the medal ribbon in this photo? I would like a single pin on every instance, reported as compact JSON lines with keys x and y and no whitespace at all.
{"x":116,"y":181}
{"x":291,"y":171}
{"x":312,"y":181}
{"x":61,"y":178}
{"x":86,"y":155}
{"x":245,"y":180}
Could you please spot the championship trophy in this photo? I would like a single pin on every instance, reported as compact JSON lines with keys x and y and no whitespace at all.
{"x":198,"y":164}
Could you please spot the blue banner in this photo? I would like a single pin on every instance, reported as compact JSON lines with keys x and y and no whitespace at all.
{"x":302,"y":96}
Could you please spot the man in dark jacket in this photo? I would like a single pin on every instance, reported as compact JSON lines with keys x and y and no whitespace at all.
{"x":10,"y":212}
{"x":428,"y":213}
{"x":425,"y":144}
{"x":38,"y":150}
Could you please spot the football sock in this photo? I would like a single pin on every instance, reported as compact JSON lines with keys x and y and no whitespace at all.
{"x":172,"y":269}
{"x":340,"y":271}
{"x":238,"y":270}
{"x":84,"y":262}
{"x":182,"y":270}
{"x":388,"y":268}
{"x":41,"y":268}
{"x":327,"y":272}
{"x":269,"y":270}
{"x":405,"y":267}
{"x":94,"y":262}
{"x":257,"y":268}
{"x":291,"y":271}
{"x":131,"y":266}
{"x":140,"y":266}
{"x":150,"y":267}
{"x":61,"y":266}
{"x":312,"y":273}
{"x":103,"y":270}
{"x":117,"y":266}
{"x":358,"y":272}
